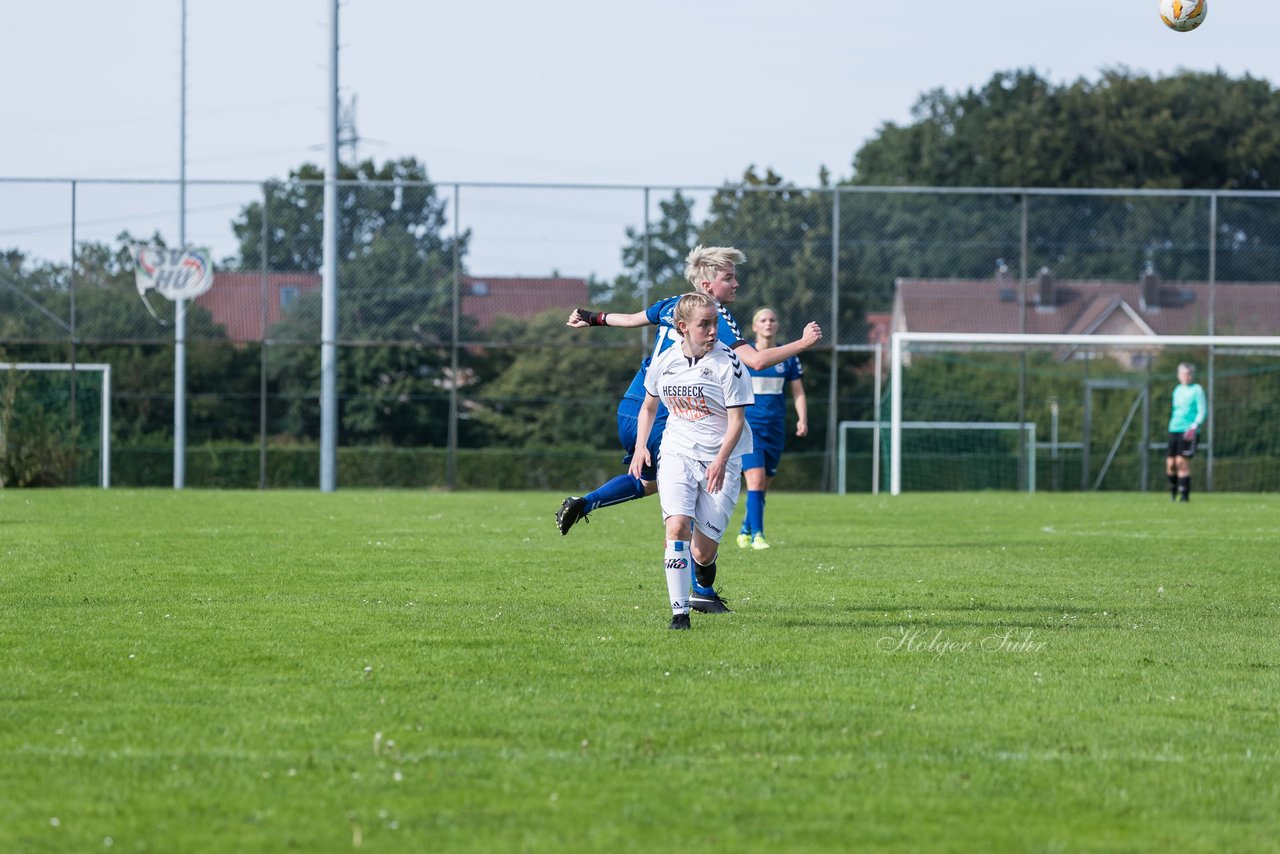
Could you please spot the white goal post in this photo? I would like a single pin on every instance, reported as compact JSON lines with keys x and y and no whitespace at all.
{"x":900,"y":340}
{"x":104,"y":469}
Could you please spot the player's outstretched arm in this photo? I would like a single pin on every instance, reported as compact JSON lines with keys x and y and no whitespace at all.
{"x":759,"y":359}
{"x":644,"y":425}
{"x":582,"y":317}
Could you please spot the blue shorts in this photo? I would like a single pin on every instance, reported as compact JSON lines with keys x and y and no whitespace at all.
{"x":764,"y":456}
{"x":628,"y":421}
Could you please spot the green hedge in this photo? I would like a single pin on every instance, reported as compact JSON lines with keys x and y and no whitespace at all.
{"x":236,"y":467}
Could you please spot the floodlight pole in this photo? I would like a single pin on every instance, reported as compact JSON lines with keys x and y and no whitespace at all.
{"x":329,"y":286}
{"x":180,"y":305}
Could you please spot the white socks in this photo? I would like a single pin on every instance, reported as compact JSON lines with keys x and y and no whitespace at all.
{"x":679,"y":563}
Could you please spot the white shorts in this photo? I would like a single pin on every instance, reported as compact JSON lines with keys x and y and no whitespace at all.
{"x":682,"y":491}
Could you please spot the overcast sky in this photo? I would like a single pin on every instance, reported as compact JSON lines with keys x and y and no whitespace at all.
{"x":646,"y":92}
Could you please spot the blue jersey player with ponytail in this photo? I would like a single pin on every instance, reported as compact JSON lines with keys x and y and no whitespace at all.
{"x":768,"y":420}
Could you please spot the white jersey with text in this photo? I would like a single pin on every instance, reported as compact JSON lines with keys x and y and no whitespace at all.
{"x":698,"y":394}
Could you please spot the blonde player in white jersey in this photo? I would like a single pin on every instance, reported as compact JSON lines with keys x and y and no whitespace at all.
{"x":705,"y":389}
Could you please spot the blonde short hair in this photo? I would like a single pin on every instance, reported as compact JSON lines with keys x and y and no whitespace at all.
{"x":689,"y":305}
{"x":761,"y":310}
{"x":705,"y":261}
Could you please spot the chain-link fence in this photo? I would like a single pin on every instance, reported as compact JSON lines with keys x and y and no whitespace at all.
{"x":455,"y":367}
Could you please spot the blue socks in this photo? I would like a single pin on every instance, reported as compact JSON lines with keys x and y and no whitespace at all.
{"x":754,"y":521}
{"x":622,"y":488}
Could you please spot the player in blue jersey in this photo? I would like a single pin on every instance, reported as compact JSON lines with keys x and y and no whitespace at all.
{"x":1188,"y":413}
{"x":768,"y":420}
{"x":713,"y":271}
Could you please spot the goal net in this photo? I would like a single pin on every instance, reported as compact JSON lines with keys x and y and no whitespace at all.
{"x":55,"y":424}
{"x":1080,"y":412}
{"x":949,"y":455}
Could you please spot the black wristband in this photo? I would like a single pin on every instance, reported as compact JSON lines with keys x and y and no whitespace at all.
{"x":593,"y":318}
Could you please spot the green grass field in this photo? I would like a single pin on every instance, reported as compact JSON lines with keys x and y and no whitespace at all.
{"x":430,"y":672}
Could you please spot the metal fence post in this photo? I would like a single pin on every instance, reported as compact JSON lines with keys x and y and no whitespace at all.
{"x":832,"y":397}
{"x":1213,"y":276}
{"x":1144,"y":445}
{"x":71,"y":288}
{"x":875,"y":435}
{"x":1026,"y":454}
{"x":451,"y":452}
{"x":646,"y":276}
{"x":265,"y":263}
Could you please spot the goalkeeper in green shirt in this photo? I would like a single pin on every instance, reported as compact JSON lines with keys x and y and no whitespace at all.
{"x":1189,"y":411}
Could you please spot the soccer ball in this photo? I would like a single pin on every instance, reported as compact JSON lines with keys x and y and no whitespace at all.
{"x":1183,"y":15}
